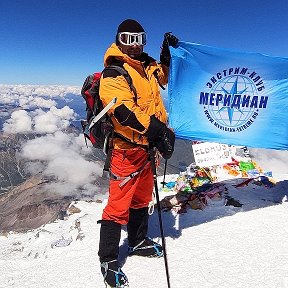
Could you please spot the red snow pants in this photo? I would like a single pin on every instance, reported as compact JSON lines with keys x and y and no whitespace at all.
{"x":135,"y":193}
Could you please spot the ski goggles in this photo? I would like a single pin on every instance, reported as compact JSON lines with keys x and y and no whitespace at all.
{"x":128,"y":38}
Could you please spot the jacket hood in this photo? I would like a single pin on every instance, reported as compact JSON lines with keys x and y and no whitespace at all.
{"x":114,"y":52}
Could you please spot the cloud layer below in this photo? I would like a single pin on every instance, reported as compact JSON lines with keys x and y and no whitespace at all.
{"x":57,"y":154}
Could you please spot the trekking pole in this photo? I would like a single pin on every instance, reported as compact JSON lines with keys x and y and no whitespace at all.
{"x":152,"y":158}
{"x":164,"y":175}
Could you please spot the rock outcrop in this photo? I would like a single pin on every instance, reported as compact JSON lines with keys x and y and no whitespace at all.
{"x":30,"y":205}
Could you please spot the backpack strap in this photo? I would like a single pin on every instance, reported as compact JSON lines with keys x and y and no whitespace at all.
{"x":122,"y":71}
{"x":155,"y":73}
{"x":107,"y":163}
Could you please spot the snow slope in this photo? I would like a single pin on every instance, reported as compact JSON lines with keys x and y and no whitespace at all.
{"x":221,"y":246}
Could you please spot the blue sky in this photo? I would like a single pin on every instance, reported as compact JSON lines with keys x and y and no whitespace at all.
{"x":61,"y":41}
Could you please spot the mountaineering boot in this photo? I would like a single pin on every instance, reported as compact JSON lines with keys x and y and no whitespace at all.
{"x":110,"y":233}
{"x":113,"y":275}
{"x":146,"y":248}
{"x":137,"y":228}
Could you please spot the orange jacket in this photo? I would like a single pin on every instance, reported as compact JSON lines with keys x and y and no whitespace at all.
{"x":131,"y":118}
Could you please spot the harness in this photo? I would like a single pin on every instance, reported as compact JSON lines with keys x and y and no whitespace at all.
{"x":125,"y":179}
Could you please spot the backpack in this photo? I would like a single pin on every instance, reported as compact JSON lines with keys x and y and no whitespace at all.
{"x":98,"y":127}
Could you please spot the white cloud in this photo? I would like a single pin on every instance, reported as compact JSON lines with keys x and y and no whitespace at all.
{"x":39,"y":121}
{"x":31,"y":96}
{"x":55,"y":154}
{"x":32,"y":102}
{"x":34,"y":167}
{"x":4,"y":114}
{"x":65,"y":112}
{"x":20,"y":122}
{"x":52,"y":120}
{"x":73,"y":168}
{"x":65,"y":161}
{"x":46,"y":147}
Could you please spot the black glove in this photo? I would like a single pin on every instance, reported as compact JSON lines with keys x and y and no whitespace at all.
{"x":161,"y":137}
{"x":169,"y":40}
